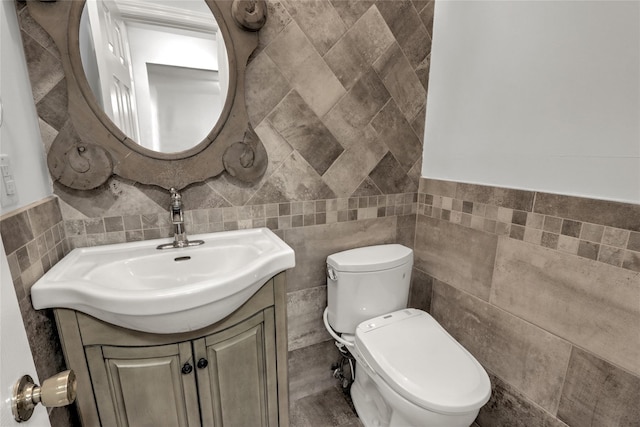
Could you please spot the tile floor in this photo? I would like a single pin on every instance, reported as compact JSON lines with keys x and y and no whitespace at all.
{"x":328,"y":408}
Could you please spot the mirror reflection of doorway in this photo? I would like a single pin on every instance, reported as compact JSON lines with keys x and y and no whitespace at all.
{"x":113,"y":64}
{"x":182,"y":111}
{"x":143,"y":58}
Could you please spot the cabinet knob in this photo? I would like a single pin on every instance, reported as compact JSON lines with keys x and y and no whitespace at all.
{"x":202,"y":363}
{"x":187,"y":368}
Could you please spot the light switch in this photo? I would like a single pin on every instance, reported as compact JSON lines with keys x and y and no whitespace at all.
{"x":10,"y":187}
{"x":8,"y":191}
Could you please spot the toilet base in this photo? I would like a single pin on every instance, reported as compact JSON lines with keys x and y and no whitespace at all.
{"x":378,"y":405}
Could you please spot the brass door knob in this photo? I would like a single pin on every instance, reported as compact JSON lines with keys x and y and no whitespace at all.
{"x":59,"y":390}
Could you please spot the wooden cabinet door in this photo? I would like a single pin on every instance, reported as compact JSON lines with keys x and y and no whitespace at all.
{"x":238,"y":385}
{"x":144,"y":386}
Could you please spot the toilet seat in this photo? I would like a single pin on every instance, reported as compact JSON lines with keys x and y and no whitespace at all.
{"x":420,"y":361}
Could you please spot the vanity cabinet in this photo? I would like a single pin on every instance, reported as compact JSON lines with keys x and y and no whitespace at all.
{"x":232,"y":373}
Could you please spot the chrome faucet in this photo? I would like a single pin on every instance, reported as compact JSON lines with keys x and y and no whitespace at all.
{"x":177,"y":219}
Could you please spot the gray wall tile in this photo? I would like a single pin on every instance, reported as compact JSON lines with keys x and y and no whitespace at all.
{"x":591,"y":304}
{"x":353,"y":166}
{"x":45,"y":70}
{"x":613,"y":214}
{"x":312,"y":245}
{"x":351,"y":11}
{"x":438,"y":187}
{"x":521,"y":354}
{"x":396,"y":131}
{"x":510,"y":408}
{"x":319,"y":20}
{"x":361,"y":46}
{"x":304,"y":317}
{"x":391,"y":177}
{"x":16,"y":231}
{"x":460,"y":256}
{"x":310,"y":369}
{"x":330,"y":408}
{"x":305,"y":69}
{"x":504,"y":197}
{"x":299,"y":126}
{"x":420,"y":291}
{"x":266,"y":85}
{"x":597,"y":393}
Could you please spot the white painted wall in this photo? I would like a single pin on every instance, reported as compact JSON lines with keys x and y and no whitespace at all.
{"x":539,"y":95}
{"x":20,"y":138}
{"x":19,"y":134}
{"x":14,"y":351}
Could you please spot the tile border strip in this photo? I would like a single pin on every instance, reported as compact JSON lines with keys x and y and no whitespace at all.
{"x":609,"y":245}
{"x":275,"y":216}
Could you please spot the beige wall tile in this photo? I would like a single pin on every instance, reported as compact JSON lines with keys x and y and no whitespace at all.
{"x":528,"y":358}
{"x":319,"y":20}
{"x":44,"y":215}
{"x":309,"y":369}
{"x":304,"y":317}
{"x":361,"y":46}
{"x":593,"y":305}
{"x":328,"y":408}
{"x":457,"y":255}
{"x":510,"y":408}
{"x":45,"y":71}
{"x":438,"y":187}
{"x":397,"y":133}
{"x":420,"y":291}
{"x":355,"y":163}
{"x":503,"y":197}
{"x":597,"y":393}
{"x":351,"y":11}
{"x":305,"y":69}
{"x":16,"y":231}
{"x":312,"y":245}
{"x":265,"y":85}
{"x":401,"y":81}
{"x":294,"y":180}
{"x":631,"y":261}
{"x":300,"y":127}
{"x":604,"y":212}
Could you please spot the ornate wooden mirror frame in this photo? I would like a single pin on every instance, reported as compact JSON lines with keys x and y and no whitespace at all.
{"x":90,"y":147}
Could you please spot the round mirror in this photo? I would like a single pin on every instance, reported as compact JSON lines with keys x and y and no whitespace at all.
{"x":159,"y":69}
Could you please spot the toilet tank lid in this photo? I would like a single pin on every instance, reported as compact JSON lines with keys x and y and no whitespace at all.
{"x":371,"y":258}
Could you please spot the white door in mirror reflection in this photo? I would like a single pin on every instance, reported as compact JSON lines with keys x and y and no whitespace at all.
{"x":109,"y":35}
{"x":182,"y":107}
{"x":167,"y":84}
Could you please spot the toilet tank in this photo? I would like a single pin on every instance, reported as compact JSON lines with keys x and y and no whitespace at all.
{"x":367,"y":282}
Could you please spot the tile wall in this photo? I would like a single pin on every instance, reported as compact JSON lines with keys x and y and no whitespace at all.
{"x":544,"y":290}
{"x":37,"y":237}
{"x":336,"y":91}
{"x":34,"y":240}
{"x":556,"y":328}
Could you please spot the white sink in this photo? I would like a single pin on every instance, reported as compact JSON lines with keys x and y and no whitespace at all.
{"x":136,"y":286}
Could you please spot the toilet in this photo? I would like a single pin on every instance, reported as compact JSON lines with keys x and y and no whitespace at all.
{"x":409,"y":371}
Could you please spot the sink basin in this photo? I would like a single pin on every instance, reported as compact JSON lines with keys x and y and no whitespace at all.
{"x":136,"y":286}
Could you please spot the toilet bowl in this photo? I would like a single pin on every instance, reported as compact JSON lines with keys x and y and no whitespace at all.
{"x":423,"y":375}
{"x":409,"y":371}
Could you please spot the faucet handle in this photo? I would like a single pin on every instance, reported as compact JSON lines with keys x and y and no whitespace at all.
{"x":176,"y":199}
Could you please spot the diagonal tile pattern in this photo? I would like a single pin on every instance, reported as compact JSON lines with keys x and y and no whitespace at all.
{"x":336,"y":90}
